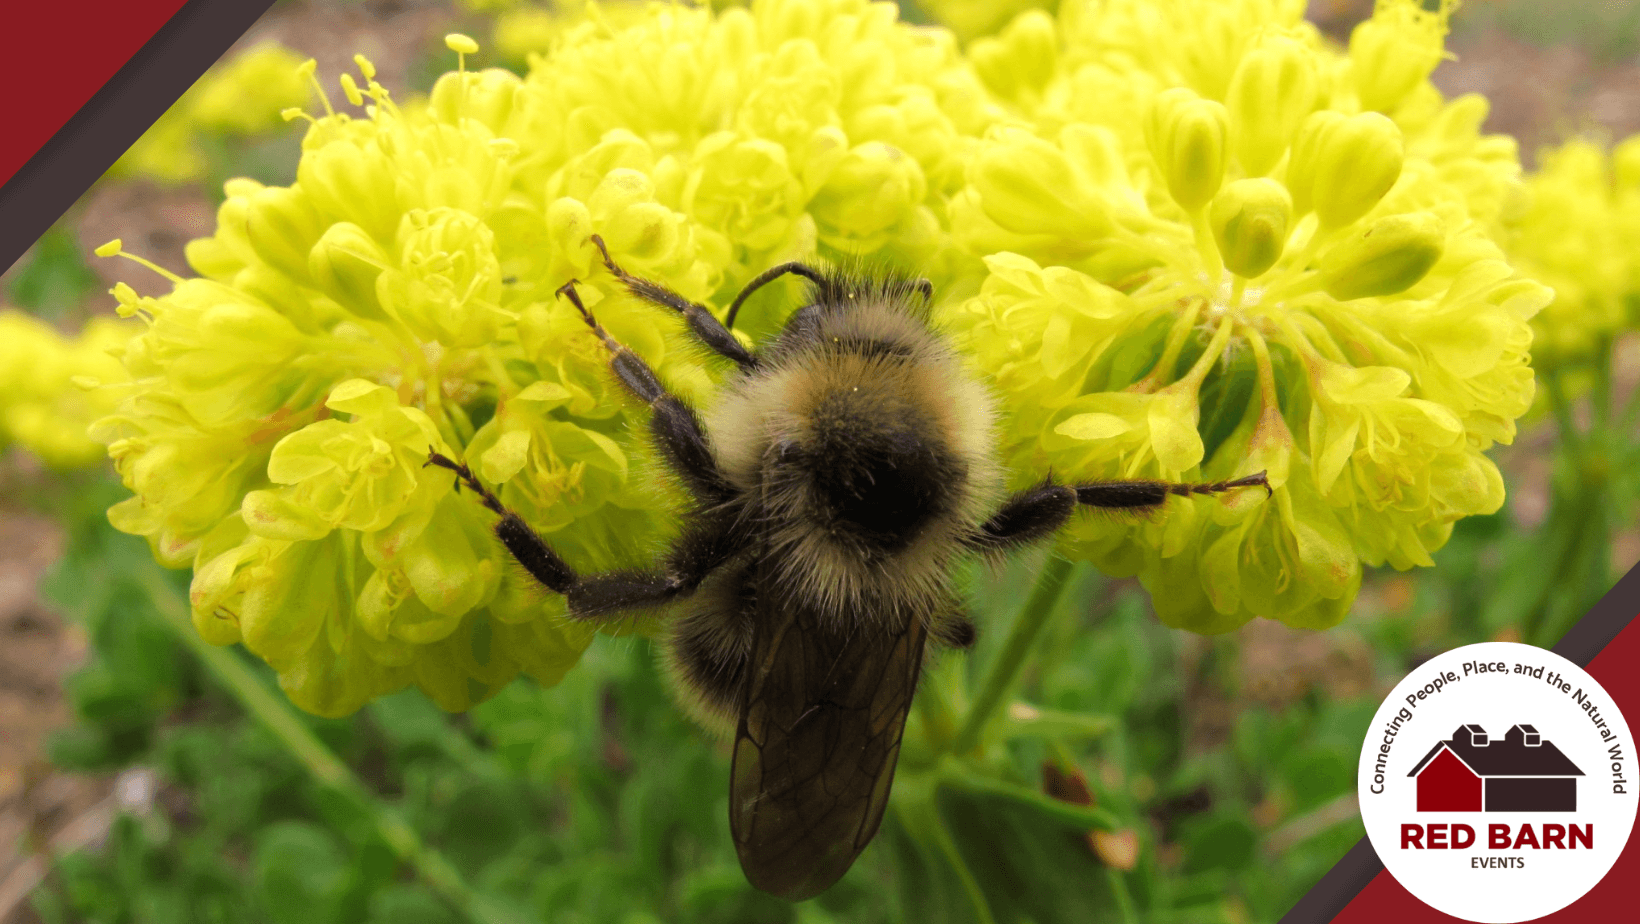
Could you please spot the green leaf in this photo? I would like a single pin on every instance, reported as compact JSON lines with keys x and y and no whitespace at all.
{"x":404,"y":904}
{"x":1030,"y":866}
{"x":55,"y":278}
{"x":1320,"y":774}
{"x":1222,"y":843}
{"x":89,"y":748}
{"x":301,"y":874}
{"x":1023,"y":721}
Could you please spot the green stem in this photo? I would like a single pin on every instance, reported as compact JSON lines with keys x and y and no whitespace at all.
{"x":1080,"y":817}
{"x":1570,"y":436}
{"x":933,"y":827}
{"x":1573,"y":505}
{"x":1208,"y":247}
{"x":970,"y":886}
{"x":1582,"y":570}
{"x":1124,"y":899}
{"x":325,"y":767}
{"x":1055,"y":726}
{"x":933,"y":705}
{"x":1600,"y":399}
{"x":1010,"y":662}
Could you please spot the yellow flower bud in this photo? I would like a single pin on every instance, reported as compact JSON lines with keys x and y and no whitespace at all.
{"x":1395,"y":50}
{"x":570,"y":225}
{"x":1023,"y":57}
{"x":1342,"y":165}
{"x":287,"y":600}
{"x":1273,"y":89}
{"x":1028,"y":185}
{"x":871,"y":188}
{"x":349,"y":182}
{"x":126,"y":297}
{"x":281,"y":226}
{"x":344,"y":265}
{"x":1096,"y":154}
{"x":745,"y":186}
{"x":619,"y":190}
{"x":1388,"y":256}
{"x":486,"y":96}
{"x":1187,"y":137}
{"x":1249,"y":220}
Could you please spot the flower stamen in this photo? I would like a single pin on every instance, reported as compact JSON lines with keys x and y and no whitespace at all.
{"x":310,"y":69}
{"x":114,"y":248}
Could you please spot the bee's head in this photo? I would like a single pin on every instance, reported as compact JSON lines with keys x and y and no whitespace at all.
{"x":849,"y":304}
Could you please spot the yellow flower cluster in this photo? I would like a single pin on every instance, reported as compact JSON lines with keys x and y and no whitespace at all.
{"x":1184,"y":240}
{"x":972,"y":19}
{"x":1580,"y":233}
{"x":523,"y":28}
{"x":241,"y":97}
{"x":399,"y":294}
{"x":1218,"y":245}
{"x":52,"y":387}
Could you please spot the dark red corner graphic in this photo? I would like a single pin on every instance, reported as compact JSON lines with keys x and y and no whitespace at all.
{"x":106,"y":34}
{"x":85,"y":78}
{"x":1606,"y":643}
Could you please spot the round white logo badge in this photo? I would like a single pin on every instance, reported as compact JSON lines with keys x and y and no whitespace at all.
{"x":1497,"y":782}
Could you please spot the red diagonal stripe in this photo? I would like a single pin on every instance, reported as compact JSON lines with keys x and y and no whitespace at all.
{"x":58,"y":54}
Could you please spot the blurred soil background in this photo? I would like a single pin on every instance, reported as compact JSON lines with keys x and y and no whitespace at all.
{"x":1551,"y":70}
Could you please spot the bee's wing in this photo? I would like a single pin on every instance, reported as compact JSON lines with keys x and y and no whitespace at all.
{"x":815,"y":749}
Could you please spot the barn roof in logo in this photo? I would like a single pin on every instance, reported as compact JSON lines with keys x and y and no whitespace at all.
{"x":1472,"y":772}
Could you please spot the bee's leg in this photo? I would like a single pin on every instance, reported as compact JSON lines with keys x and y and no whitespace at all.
{"x":526,"y":546}
{"x":705,"y":544}
{"x":1138,"y":495}
{"x":1034,"y":513}
{"x":674,"y":425}
{"x":1038,"y":512}
{"x":702,"y":323}
{"x":954,"y":630}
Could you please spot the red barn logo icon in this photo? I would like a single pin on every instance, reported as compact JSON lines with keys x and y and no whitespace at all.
{"x":1474,"y":773}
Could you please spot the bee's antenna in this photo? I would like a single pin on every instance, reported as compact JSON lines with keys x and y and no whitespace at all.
{"x":764,"y":278}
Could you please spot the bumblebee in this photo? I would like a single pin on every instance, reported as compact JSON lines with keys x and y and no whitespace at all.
{"x":840,"y":476}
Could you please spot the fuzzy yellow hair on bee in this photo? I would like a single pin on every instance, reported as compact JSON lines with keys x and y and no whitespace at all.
{"x":839,"y":477}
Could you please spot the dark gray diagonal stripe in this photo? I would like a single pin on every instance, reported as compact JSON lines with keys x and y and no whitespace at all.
{"x":116,"y":116}
{"x":1338,"y":888}
{"x":1602,"y":622}
{"x":1358,"y":867}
